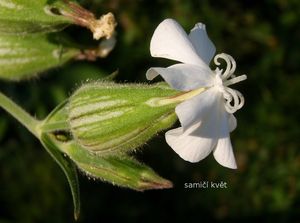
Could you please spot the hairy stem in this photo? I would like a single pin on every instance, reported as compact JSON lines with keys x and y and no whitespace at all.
{"x":18,"y":113}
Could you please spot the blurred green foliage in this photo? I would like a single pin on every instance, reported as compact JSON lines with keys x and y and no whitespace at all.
{"x":262,"y":36}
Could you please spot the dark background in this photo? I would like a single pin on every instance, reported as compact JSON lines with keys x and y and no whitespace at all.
{"x":262,"y":36}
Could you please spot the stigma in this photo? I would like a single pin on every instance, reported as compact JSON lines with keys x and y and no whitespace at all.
{"x":233,"y":99}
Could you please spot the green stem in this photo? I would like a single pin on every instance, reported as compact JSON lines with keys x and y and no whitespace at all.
{"x":18,"y":113}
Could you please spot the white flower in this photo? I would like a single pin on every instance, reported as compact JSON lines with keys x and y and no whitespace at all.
{"x":206,"y":117}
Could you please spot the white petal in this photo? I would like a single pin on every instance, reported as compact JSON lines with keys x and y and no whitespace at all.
{"x":188,"y":147}
{"x":232,"y":122}
{"x":223,"y":152}
{"x":183,"y":77}
{"x":203,"y":107}
{"x":201,"y":42}
{"x":171,"y":41}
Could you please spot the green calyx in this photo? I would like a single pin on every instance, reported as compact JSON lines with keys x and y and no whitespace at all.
{"x":24,"y":57}
{"x":30,"y":16}
{"x":107,"y":118}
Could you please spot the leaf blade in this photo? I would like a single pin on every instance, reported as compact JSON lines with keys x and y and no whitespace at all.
{"x":68,"y":168}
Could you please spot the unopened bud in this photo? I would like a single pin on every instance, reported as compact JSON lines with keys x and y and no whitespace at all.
{"x":121,"y":170}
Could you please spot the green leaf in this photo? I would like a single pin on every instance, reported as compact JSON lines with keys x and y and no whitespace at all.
{"x":24,"y":57}
{"x":29,"y":16}
{"x":67,"y":166}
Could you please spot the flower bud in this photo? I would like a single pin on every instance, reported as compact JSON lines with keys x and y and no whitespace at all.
{"x":106,"y":118}
{"x":121,"y":170}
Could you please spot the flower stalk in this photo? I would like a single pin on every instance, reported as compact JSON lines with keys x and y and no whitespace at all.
{"x":29,"y":122}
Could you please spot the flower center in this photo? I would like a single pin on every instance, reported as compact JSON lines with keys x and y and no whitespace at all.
{"x":218,"y":82}
{"x":234,"y":100}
